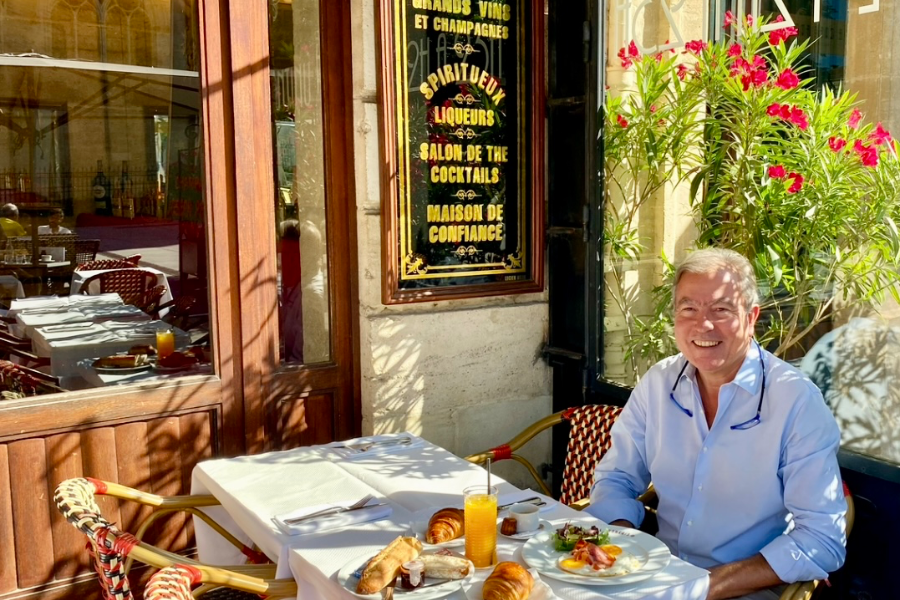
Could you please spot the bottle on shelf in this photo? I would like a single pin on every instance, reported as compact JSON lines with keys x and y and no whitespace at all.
{"x":127,"y":185}
{"x":101,"y":192}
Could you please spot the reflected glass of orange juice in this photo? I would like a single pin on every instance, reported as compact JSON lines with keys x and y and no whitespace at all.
{"x":165,"y":342}
{"x":481,"y":525}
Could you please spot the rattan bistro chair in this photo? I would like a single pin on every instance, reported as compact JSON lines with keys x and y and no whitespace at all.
{"x":589,"y":440}
{"x":131,"y":284}
{"x":129,"y":262}
{"x":113,"y":550}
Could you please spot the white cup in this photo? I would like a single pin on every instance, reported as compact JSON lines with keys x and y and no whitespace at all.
{"x":526,"y":516}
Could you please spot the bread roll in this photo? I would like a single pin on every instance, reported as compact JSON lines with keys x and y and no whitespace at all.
{"x":121,"y":361}
{"x":509,"y":581}
{"x":445,"y":525}
{"x":439,"y":566}
{"x":384,"y":566}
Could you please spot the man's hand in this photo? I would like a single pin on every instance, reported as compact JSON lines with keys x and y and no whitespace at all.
{"x":741,"y":578}
{"x":623,"y":523}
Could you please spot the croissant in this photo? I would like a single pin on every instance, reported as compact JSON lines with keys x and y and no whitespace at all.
{"x":445,"y":525}
{"x":509,"y":581}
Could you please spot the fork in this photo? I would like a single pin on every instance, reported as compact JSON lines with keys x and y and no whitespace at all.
{"x":365,"y":446}
{"x":332,"y":510}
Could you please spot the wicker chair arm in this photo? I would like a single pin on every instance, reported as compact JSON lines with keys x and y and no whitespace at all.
{"x":108,"y":488}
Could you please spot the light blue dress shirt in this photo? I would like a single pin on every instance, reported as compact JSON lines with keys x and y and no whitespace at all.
{"x":724,"y":494}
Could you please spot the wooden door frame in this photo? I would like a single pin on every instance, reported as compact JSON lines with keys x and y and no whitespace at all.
{"x":264,"y":379}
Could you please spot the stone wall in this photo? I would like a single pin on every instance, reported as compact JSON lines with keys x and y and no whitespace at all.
{"x":466,"y":375}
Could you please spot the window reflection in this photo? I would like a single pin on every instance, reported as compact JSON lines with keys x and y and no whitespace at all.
{"x":102,"y":231}
{"x":300,"y":186}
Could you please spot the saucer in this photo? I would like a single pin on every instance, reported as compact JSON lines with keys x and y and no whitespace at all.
{"x":524,"y":535}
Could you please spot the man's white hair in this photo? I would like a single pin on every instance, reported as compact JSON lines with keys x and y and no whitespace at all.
{"x":713,"y":260}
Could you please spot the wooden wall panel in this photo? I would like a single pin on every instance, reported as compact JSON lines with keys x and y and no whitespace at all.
{"x":7,"y":535}
{"x":155,"y":455}
{"x":306,"y":420}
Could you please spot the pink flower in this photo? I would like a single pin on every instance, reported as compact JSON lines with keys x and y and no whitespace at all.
{"x":626,"y":62}
{"x":855,"y":117}
{"x":682,"y":72}
{"x":777,"y":172}
{"x":729,"y":19}
{"x":622,"y":121}
{"x":797,"y":184}
{"x":836,"y":144}
{"x":774,"y":110}
{"x":786,"y":111}
{"x":867,"y":154}
{"x":787,"y":80}
{"x":633,"y":50}
{"x":799,"y":118}
{"x":658,"y":57}
{"x":880,"y":135}
{"x":652,"y":108}
{"x":627,"y":55}
{"x":739,"y":66}
{"x":759,"y":62}
{"x":695,"y":47}
{"x":734,"y":50}
{"x":783,"y":34}
{"x":749,"y":20}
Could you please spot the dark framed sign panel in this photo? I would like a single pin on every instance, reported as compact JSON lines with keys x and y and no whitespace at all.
{"x":462,"y":116}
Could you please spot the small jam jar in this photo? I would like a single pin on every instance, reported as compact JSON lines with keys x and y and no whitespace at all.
{"x":412,"y":574}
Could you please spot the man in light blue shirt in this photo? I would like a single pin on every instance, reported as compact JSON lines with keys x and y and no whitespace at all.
{"x":740,"y":446}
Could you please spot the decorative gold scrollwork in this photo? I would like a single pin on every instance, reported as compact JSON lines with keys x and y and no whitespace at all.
{"x":513,"y":261}
{"x":415,"y":264}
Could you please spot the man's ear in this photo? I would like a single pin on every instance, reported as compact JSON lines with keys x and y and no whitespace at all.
{"x":753,"y":315}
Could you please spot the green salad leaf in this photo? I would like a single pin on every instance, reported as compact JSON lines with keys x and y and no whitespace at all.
{"x":565,"y":539}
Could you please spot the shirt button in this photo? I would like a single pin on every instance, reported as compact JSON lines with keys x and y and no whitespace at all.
{"x":699,"y":488}
{"x":684,"y":557}
{"x":705,"y":448}
{"x":690,"y":523}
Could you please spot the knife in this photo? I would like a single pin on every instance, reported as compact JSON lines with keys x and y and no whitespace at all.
{"x":532,"y":500}
{"x":337,"y":510}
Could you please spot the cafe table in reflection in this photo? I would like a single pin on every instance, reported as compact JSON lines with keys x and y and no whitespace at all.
{"x":28,"y":321}
{"x":65,"y":345}
{"x":413,"y":480}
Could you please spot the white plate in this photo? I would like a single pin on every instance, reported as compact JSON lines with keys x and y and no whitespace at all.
{"x":540,"y":591}
{"x":347,"y":578}
{"x":524,"y":535}
{"x":419,"y":525}
{"x":540,"y":554}
{"x":122,"y":370}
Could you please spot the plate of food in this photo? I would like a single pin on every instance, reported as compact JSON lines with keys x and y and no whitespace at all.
{"x":174,"y":363}
{"x":121,"y":364}
{"x":588,"y":555}
{"x":444,"y":527}
{"x":443,"y":572}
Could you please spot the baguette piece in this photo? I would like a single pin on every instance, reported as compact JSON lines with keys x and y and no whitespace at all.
{"x":384,"y":566}
{"x":509,"y":581}
{"x":445,"y":525}
{"x":440,"y":566}
{"x":121,"y":361}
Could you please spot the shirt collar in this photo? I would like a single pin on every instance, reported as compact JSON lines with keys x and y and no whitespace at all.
{"x":749,"y":376}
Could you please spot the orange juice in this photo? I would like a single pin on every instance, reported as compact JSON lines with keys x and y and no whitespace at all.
{"x":165,"y":342}
{"x":481,"y":525}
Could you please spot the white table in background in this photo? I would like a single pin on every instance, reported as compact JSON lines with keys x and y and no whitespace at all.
{"x":50,"y":302}
{"x":79,"y":277}
{"x":95,"y":379}
{"x":66,"y":346}
{"x":252,"y":489}
{"x":28,"y":321}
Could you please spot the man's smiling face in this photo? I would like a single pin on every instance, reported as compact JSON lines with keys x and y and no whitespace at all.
{"x":713,"y":328}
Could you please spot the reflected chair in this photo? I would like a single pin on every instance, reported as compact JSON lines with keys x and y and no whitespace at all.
{"x":149,"y":302}
{"x":130,"y":284}
{"x":129,"y":262}
{"x":113,"y":550}
{"x":17,"y":381}
{"x":589,"y":439}
{"x":86,"y":251}
{"x":179,"y":312}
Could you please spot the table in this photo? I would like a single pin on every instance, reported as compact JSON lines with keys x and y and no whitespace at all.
{"x":39,"y":302}
{"x":28,"y":321}
{"x":66,"y":346}
{"x":40,"y":270}
{"x":95,"y":379}
{"x":79,"y":277}
{"x":253,"y":489}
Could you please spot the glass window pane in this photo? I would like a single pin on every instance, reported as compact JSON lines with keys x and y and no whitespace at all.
{"x":102,"y":228}
{"x":300,"y":181}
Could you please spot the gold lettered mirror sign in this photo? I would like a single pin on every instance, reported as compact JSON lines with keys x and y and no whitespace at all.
{"x":462,"y":117}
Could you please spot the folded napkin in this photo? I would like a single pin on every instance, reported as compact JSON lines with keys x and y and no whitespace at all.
{"x":513,"y":497}
{"x":327,"y":522}
{"x":374,"y":445}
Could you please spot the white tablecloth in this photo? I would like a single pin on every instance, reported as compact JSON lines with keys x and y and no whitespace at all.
{"x":41,"y":302}
{"x":253,"y":489}
{"x":66,"y":347}
{"x":79,"y":277}
{"x":28,"y":321}
{"x":95,"y":379}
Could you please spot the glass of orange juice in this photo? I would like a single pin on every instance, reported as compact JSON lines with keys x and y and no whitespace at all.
{"x":481,"y":525}
{"x":165,"y":342}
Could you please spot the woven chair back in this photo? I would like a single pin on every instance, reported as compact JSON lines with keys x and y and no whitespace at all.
{"x":129,"y":262}
{"x":130,"y":284}
{"x":589,"y":440}
{"x":180,"y":311}
{"x":86,"y":251}
{"x":109,"y":547}
{"x":150,"y":301}
{"x":16,"y":382}
{"x":171,"y":583}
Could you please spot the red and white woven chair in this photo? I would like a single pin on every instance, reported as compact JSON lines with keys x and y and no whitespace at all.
{"x":113,"y":550}
{"x":132,"y":285}
{"x":589,"y":440}
{"x":129,"y":262}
